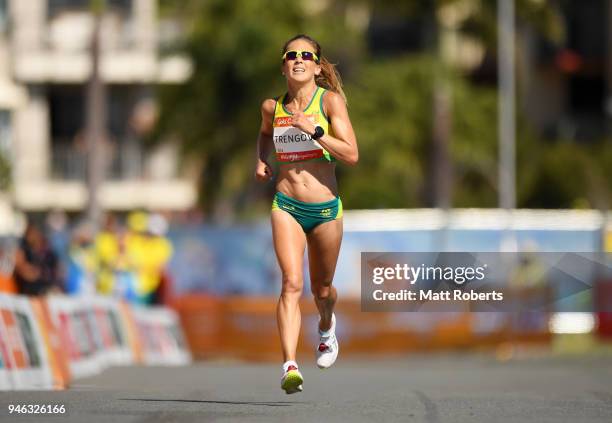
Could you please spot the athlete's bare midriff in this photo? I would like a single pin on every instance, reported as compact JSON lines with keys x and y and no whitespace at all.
{"x":311,"y":182}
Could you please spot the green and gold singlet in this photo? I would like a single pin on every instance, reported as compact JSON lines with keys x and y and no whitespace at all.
{"x":294,"y":145}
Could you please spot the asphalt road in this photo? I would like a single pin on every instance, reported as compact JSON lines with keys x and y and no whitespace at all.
{"x":451,"y":388}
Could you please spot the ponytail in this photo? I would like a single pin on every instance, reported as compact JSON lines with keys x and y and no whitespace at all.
{"x":329,"y":78}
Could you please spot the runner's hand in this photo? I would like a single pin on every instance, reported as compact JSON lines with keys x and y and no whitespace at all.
{"x":263,"y":171}
{"x":300,"y":121}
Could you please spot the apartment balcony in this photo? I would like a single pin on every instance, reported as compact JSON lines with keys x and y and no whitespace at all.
{"x":53,"y":47}
{"x":134,"y":179}
{"x":72,"y":195}
{"x":124,"y":161}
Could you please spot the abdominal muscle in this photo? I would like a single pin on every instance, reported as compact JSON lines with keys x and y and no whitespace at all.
{"x":311,"y":182}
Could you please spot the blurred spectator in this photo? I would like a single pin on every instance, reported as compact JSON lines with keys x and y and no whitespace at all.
{"x":115,"y":267}
{"x":7,"y":264}
{"x":160,"y":249}
{"x":82,"y":263}
{"x":36,"y":265}
{"x":530,"y":271}
{"x":125,"y":283}
{"x":131,"y":262}
{"x":123,"y":262}
{"x":148,"y":251}
{"x":107,"y":253}
{"x":7,"y":284}
{"x":58,"y":234}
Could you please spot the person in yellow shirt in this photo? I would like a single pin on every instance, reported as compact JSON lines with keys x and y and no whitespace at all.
{"x":158,"y":253}
{"x":148,"y":253}
{"x":107,"y":253}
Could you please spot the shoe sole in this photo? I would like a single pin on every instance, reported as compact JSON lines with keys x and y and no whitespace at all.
{"x":292,"y":382}
{"x":294,"y":391}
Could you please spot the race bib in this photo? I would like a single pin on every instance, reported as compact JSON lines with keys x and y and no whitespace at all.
{"x":292,"y":144}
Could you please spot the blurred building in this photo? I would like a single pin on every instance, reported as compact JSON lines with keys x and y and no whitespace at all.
{"x":45,"y":64}
{"x":564,"y":80}
{"x":567,"y":86}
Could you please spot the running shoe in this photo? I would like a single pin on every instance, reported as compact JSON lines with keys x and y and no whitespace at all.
{"x":327,"y":351}
{"x":292,"y":380}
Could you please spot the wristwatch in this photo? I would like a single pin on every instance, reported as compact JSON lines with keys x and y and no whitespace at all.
{"x":319,"y":132}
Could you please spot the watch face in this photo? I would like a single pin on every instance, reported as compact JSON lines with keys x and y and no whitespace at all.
{"x":319,"y":132}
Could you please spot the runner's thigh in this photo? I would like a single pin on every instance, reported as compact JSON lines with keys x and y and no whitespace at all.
{"x":289,"y":244}
{"x":323,"y":250}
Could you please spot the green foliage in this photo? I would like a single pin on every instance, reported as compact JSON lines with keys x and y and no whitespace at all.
{"x":391,"y":108}
{"x":479,"y":17}
{"x":539,"y":15}
{"x":568,"y":175}
{"x":236,"y":52}
{"x":235,"y":49}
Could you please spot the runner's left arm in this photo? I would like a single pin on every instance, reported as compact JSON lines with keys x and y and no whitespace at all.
{"x":343,"y":145}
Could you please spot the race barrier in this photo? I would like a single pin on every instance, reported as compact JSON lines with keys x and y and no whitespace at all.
{"x":245,"y":328}
{"x":162,"y":341}
{"x":46,"y":342}
{"x":26,"y":357}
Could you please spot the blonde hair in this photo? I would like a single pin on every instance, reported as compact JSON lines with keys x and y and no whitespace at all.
{"x":329,"y":78}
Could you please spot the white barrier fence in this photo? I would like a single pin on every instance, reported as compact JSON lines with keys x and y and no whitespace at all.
{"x":47,"y":342}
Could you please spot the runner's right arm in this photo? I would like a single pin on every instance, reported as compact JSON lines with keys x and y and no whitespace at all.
{"x":265,"y":146}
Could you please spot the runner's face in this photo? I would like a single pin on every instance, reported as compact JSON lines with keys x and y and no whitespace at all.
{"x":300,"y":70}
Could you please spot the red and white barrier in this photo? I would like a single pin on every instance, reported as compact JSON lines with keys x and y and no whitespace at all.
{"x":113,"y":332}
{"x":27,"y":357}
{"x":71,"y":319}
{"x":162,"y":337}
{"x":6,"y":349}
{"x":46,"y":342}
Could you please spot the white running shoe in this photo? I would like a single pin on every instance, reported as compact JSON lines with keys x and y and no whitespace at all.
{"x":327,"y":351}
{"x":292,"y":380}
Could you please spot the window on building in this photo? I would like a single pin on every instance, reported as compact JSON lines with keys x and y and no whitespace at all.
{"x":586,"y":27}
{"x":67,"y":118}
{"x":4,"y":15}
{"x":123,"y":148}
{"x":586,"y":30}
{"x":390,"y":35}
{"x":127,"y":159}
{"x":5,"y":132}
{"x":5,"y":149}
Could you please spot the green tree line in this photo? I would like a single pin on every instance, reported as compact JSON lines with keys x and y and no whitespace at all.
{"x":235,"y":48}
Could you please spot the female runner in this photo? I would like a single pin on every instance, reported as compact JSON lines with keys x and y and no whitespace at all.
{"x":310,"y":129}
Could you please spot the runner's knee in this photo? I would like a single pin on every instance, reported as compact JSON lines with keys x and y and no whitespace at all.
{"x":292,"y":285}
{"x":321,"y":291}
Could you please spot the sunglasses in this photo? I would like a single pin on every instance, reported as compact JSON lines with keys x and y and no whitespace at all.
{"x":305,"y":55}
